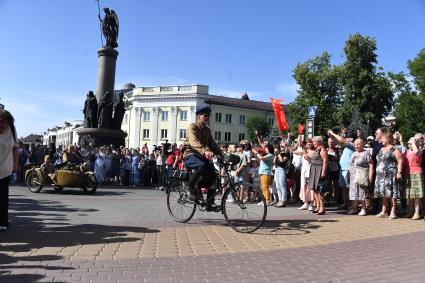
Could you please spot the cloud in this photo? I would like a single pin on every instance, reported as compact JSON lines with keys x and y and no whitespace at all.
{"x":288,"y":91}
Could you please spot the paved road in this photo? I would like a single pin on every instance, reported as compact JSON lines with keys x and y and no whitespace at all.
{"x":126,"y":235}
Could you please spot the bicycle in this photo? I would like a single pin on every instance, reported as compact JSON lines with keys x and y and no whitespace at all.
{"x":242,"y":204}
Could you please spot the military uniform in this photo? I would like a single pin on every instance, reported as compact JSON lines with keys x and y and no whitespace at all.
{"x":198,"y":141}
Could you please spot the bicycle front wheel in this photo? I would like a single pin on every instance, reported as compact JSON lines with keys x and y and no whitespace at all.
{"x":244,"y":207}
{"x":180,"y":207}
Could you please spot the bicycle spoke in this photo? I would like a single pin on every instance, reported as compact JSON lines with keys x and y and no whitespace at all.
{"x":179,"y":206}
{"x":243,"y":214}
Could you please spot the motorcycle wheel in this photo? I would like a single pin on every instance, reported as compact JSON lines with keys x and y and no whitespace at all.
{"x":90,"y":184}
{"x":34,"y":182}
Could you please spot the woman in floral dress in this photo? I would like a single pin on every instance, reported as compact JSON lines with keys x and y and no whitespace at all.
{"x":361,"y":160}
{"x":388,"y":175}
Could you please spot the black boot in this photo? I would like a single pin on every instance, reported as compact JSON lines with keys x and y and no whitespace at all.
{"x":211,"y":206}
{"x":191,"y":183}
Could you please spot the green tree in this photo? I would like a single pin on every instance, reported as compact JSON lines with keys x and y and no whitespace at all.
{"x":409,"y":108}
{"x":319,"y":85}
{"x":366,"y":89}
{"x":257,"y":124}
{"x":417,"y":70}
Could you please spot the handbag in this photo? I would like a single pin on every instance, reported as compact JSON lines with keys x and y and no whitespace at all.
{"x":362,"y":176}
{"x":324,"y":185}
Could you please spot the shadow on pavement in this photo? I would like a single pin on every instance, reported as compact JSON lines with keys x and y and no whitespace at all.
{"x":292,"y":227}
{"x":276,"y":226}
{"x":77,"y":191}
{"x":39,"y":224}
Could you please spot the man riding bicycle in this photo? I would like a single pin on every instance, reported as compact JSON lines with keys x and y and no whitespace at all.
{"x":200,"y":148}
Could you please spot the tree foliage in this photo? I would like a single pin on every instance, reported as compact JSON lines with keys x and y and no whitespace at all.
{"x":409,"y":108}
{"x":417,"y":70}
{"x":319,"y":85}
{"x":366,"y":89}
{"x":257,"y":124}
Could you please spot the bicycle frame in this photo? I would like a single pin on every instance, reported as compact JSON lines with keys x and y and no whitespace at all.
{"x":220,"y":187}
{"x":238,"y":204}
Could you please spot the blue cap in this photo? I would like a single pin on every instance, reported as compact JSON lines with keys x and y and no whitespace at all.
{"x":203,"y":110}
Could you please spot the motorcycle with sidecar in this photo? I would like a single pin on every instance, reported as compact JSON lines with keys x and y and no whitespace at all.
{"x":64,"y":175}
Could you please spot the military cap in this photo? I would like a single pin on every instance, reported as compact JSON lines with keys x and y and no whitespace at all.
{"x":203,"y":110}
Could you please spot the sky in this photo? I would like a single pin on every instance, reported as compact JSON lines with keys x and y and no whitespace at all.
{"x":49,"y":48}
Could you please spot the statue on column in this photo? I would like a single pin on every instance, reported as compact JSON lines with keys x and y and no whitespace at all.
{"x":119,"y":111}
{"x":105,"y":111}
{"x":110,"y":28}
{"x":90,"y":111}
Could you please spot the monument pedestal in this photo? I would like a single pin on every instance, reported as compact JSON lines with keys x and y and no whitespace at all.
{"x":99,"y":137}
{"x":104,"y":135}
{"x":106,"y":71}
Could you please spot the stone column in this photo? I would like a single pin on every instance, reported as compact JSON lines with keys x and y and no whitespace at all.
{"x":138,"y":115}
{"x":173,"y":128}
{"x":106,"y":71}
{"x":154,"y":129}
{"x":192,"y":114}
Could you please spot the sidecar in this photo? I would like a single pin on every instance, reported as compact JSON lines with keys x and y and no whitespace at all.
{"x":73,"y":176}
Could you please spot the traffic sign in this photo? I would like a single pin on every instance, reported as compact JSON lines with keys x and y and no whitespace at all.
{"x":312,"y":111}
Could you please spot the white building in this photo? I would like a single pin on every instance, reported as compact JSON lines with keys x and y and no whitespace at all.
{"x":67,"y":134}
{"x":156,"y":114}
{"x":49,"y":136}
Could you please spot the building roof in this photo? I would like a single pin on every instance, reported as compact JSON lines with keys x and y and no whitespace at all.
{"x":196,"y":90}
{"x":237,"y":102}
{"x":32,"y":138}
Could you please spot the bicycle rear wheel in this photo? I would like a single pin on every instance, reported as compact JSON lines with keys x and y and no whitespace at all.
{"x":180,"y":207}
{"x":244,"y":207}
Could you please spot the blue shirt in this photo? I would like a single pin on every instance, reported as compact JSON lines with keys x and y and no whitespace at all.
{"x":266,"y":165}
{"x":346,"y":156}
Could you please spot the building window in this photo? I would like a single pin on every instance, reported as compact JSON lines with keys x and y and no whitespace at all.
{"x":241,"y":136}
{"x":218,"y":117}
{"x":217,"y":136}
{"x":163,"y":133}
{"x":146,"y":116}
{"x":182,"y":134}
{"x":227,"y":136}
{"x":126,"y":119}
{"x":183,"y":116}
{"x":271,"y":122}
{"x":145,"y":133}
{"x":228,"y":118}
{"x":164,"y":116}
{"x":242,"y":119}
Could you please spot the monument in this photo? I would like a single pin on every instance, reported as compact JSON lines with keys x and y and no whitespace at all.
{"x":103,"y":118}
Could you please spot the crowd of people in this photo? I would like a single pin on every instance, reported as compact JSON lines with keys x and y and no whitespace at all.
{"x":361,"y":175}
{"x":112,"y":165}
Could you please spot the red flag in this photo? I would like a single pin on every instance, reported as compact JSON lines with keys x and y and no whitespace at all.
{"x":300,"y":129}
{"x":280,"y":114}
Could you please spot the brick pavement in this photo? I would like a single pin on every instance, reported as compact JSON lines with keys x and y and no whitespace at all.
{"x":47,"y":244}
{"x":355,"y":261}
